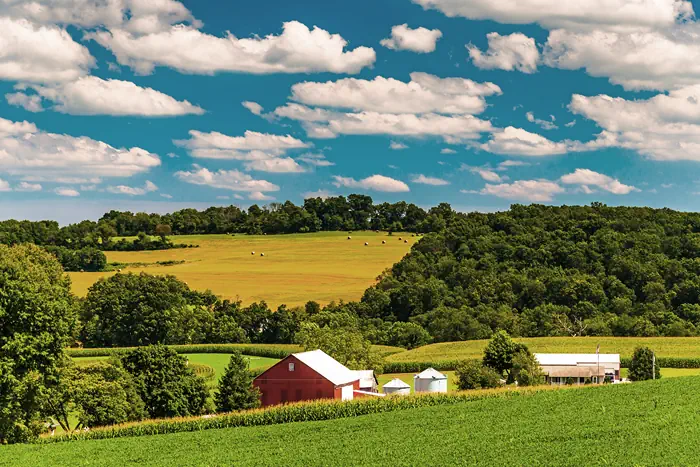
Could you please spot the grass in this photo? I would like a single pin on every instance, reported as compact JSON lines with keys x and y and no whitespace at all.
{"x":220,"y":361}
{"x":682,"y":347}
{"x":322,"y":266}
{"x":653,"y":423}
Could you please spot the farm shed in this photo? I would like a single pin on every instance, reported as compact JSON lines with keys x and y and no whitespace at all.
{"x":430,"y":380}
{"x":396,"y":386}
{"x":578,"y":368}
{"x":368,"y":381}
{"x":306,"y":376}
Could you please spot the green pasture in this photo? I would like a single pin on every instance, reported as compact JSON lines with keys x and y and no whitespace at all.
{"x":681,"y":347}
{"x":296,"y":268}
{"x":653,"y":423}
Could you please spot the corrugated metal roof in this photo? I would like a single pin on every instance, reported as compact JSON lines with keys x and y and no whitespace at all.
{"x":327,"y":366}
{"x":574,"y":359}
{"x":396,"y":383}
{"x":430,"y":373}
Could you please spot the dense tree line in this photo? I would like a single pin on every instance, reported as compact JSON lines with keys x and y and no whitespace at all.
{"x":356,"y":212}
{"x":548,"y":271}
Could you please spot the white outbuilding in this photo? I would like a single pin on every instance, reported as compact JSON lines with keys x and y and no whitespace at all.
{"x":396,"y":386}
{"x":430,"y":380}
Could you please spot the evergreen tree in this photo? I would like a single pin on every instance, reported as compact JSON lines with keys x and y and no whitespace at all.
{"x":236,"y":391}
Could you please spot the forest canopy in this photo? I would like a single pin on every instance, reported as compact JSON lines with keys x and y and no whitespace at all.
{"x":548,"y":271}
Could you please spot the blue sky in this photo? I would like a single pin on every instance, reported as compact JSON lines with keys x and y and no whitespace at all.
{"x":129,"y":104}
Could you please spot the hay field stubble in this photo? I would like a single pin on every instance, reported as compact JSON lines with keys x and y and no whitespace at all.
{"x":323,"y":266}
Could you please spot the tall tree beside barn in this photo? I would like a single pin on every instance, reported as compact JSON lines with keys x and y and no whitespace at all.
{"x":236,"y":391}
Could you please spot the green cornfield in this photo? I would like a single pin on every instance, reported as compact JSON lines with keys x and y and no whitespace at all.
{"x":652,"y":423}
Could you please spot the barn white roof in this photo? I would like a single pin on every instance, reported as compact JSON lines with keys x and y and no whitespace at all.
{"x":327,"y":366}
{"x":573,"y":359}
{"x":430,"y":373}
{"x":396,"y":383}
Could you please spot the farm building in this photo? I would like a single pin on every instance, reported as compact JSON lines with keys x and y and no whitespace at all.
{"x":579,"y":368}
{"x":396,"y":386}
{"x":368,"y":381}
{"x":430,"y":380}
{"x":306,"y":376}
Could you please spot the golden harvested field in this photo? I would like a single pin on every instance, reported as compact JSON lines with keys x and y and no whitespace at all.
{"x":296,"y":268}
{"x":682,"y":347}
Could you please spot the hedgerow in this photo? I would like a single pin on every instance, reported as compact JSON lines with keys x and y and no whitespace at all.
{"x":297,"y":412}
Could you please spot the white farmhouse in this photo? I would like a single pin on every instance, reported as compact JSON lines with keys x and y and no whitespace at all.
{"x":560,"y":368}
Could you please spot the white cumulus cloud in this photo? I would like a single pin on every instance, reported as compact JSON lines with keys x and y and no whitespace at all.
{"x":572,"y":14}
{"x":424,"y":93}
{"x":233,"y":180}
{"x":69,"y":192}
{"x":420,"y":40}
{"x":587,"y":178}
{"x":422,"y":179}
{"x":513,"y":52}
{"x":375,"y":183}
{"x":41,"y":54}
{"x":297,"y":49}
{"x":518,"y":142}
{"x":664,"y":127}
{"x":133,"y":191}
{"x":91,"y":95}
{"x":528,"y":190}
{"x":28,"y":187}
{"x":34,"y":154}
{"x":30,"y":103}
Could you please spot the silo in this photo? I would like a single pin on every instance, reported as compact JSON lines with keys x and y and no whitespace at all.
{"x":430,"y":380}
{"x":396,"y":386}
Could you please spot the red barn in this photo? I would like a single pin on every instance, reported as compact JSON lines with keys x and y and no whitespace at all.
{"x":306,"y":376}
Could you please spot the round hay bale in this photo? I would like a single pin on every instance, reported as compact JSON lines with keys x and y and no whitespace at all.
{"x":400,"y":238}
{"x":405,"y":241}
{"x":366,"y":244}
{"x":349,"y":237}
{"x":119,"y":270}
{"x":262,"y":254}
{"x":252,"y":253}
{"x":383,"y":242}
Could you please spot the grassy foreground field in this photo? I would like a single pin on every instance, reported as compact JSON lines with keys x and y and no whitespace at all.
{"x":652,"y":423}
{"x":322,"y":266}
{"x":682,"y":347}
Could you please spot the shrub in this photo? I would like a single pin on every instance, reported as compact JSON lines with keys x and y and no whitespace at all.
{"x":472,"y":374}
{"x":642,"y":366}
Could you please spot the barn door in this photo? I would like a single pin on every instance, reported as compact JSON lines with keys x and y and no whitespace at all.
{"x":346,"y":392}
